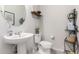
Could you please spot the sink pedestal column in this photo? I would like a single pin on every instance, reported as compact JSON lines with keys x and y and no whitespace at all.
{"x":21,"y":48}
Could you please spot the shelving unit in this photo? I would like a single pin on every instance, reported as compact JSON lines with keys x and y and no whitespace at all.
{"x":36,"y":13}
{"x":71,"y":41}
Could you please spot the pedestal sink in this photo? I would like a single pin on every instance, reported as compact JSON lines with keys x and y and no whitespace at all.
{"x":20,"y":40}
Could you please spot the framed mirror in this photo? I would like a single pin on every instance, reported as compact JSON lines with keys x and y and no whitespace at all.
{"x":10,"y":17}
{"x":15,"y":14}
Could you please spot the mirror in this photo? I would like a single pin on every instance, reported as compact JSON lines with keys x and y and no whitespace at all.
{"x":15,"y":14}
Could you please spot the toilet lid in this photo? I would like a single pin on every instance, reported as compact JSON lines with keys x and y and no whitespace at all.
{"x":46,"y":44}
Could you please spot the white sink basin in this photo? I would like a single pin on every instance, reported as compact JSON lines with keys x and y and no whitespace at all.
{"x":15,"y":39}
{"x":20,"y":40}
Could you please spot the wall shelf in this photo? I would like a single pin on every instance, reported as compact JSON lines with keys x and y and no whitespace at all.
{"x":36,"y":13}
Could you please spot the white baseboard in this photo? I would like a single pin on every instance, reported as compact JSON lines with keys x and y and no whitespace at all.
{"x":58,"y":50}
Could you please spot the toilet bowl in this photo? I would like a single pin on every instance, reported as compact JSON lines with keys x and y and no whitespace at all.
{"x":44,"y":47}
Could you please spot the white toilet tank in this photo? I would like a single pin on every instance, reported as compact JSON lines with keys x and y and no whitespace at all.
{"x":37,"y":38}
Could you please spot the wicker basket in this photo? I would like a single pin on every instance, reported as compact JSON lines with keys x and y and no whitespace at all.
{"x":71,"y":38}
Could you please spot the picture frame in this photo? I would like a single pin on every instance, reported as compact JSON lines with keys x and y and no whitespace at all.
{"x":10,"y":17}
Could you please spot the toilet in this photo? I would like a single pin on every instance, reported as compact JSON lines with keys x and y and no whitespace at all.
{"x":44,"y":47}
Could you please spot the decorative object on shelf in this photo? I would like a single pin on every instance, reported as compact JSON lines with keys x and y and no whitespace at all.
{"x":37,"y":30}
{"x":37,"y":13}
{"x":10,"y":17}
{"x":71,"y":41}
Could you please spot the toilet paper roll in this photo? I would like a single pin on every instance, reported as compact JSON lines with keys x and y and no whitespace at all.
{"x":52,"y":37}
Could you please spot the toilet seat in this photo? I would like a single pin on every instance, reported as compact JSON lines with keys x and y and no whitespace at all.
{"x":45,"y":47}
{"x":46,"y":44}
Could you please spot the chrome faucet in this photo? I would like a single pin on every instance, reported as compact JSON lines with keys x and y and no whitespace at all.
{"x":18,"y":33}
{"x":10,"y":32}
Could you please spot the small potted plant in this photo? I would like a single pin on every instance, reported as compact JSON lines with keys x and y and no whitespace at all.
{"x":37,"y":30}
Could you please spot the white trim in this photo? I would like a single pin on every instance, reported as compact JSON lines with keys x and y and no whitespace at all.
{"x":58,"y":50}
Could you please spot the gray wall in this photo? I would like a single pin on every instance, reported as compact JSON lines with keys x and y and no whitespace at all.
{"x":54,"y":22}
